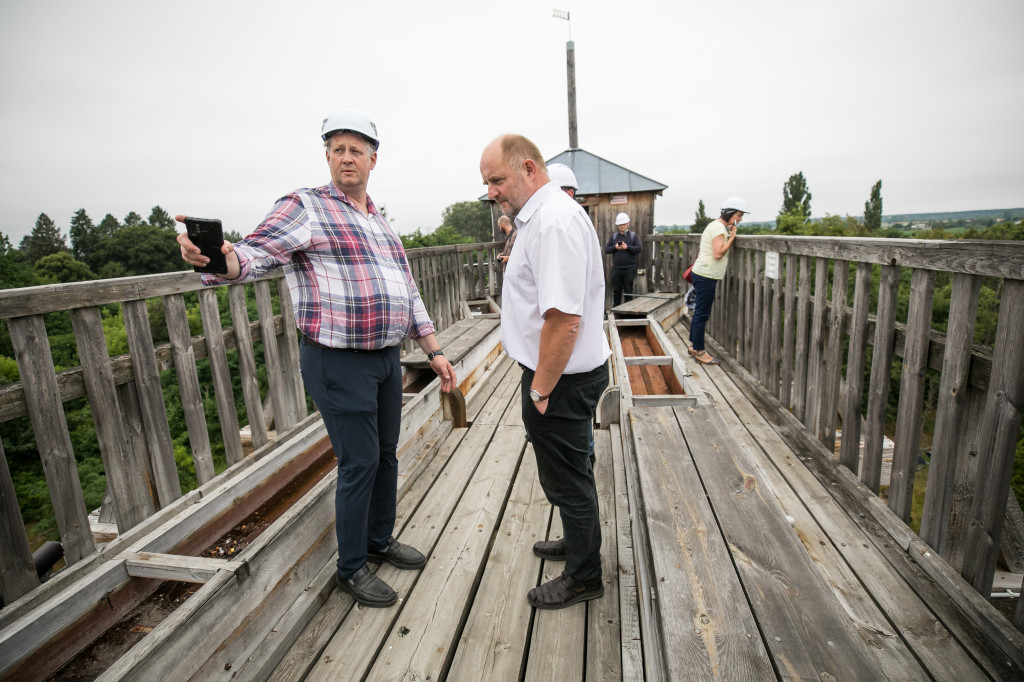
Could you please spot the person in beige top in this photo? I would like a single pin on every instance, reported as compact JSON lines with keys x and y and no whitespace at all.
{"x":718,"y":238}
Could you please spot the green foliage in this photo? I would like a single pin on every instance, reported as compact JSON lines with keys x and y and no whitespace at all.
{"x":160,"y":218}
{"x":796,"y":198}
{"x":442,"y":236}
{"x":61,"y":268}
{"x":15,"y":268}
{"x":44,"y":240}
{"x":471,"y":219}
{"x":873,"y":209}
{"x":9,"y":372}
{"x":700,"y":218}
{"x":143,"y":249}
{"x":132,"y":219}
{"x":794,"y":223}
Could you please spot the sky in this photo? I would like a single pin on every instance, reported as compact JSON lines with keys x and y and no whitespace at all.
{"x":213,"y":109}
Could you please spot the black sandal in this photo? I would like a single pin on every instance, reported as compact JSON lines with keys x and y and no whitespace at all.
{"x":563,"y":591}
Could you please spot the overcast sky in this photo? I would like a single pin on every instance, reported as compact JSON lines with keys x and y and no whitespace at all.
{"x":214,"y":108}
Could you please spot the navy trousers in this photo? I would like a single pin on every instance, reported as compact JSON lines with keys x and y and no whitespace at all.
{"x":704,"y":288}
{"x":359,"y":395}
{"x":561,"y":443}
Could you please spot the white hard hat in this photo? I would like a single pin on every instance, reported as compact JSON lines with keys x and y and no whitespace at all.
{"x":736,"y":203}
{"x":562,"y":175}
{"x":621,"y":219}
{"x":351,"y":119}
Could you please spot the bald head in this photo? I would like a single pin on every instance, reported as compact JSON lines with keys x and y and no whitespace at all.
{"x":513,"y":169}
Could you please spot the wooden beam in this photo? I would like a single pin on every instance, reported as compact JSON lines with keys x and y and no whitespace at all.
{"x":188,"y":569}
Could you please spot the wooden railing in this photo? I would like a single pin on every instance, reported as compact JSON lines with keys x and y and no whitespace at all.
{"x":125,"y":395}
{"x":796,"y":332}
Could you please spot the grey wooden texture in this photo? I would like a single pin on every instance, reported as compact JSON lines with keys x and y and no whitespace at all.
{"x":151,"y":402}
{"x":247,"y":366}
{"x":17,"y":571}
{"x":960,"y":518}
{"x":1000,"y":430}
{"x":878,"y":387}
{"x":989,"y":258}
{"x":988,"y":638}
{"x":816,"y":349}
{"x":135,"y":431}
{"x":180,"y":337}
{"x":187,"y":569}
{"x":32,"y":351}
{"x":709,"y":633}
{"x":806,"y":629}
{"x":788,"y":332}
{"x":632,"y":658}
{"x":897,"y":627}
{"x":909,"y":412}
{"x":834,"y":354}
{"x":938,"y":501}
{"x":849,"y":453}
{"x":289,"y":347}
{"x":456,"y":341}
{"x":279,"y":388}
{"x":775,"y":332}
{"x":224,"y":393}
{"x":803,"y":323}
{"x":493,"y":642}
{"x":127,"y":481}
{"x":762,"y":319}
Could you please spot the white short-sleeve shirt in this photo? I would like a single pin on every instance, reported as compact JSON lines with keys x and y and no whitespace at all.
{"x":556,"y":264}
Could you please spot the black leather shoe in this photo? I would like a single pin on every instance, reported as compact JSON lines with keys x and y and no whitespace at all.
{"x":398,"y":555}
{"x":367,"y":588}
{"x":551,"y":550}
{"x":563,"y":591}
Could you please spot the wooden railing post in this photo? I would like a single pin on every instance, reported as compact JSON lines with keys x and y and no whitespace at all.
{"x":222,"y":388}
{"x":999,"y":433}
{"x":17,"y":572}
{"x":849,"y":453}
{"x":834,"y":358}
{"x":881,"y":375}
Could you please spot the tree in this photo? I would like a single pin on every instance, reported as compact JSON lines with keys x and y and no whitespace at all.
{"x":442,"y":236}
{"x":700,"y":219}
{"x":471,"y":219}
{"x":44,"y":240}
{"x":873,"y":209}
{"x":142,"y":250}
{"x":160,"y":218}
{"x":132,"y":219}
{"x":86,"y":240}
{"x":59,"y":268}
{"x":15,"y":270}
{"x":108,"y":226}
{"x":795,"y":197}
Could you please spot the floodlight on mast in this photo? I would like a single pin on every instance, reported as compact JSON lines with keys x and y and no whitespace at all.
{"x":564,"y":14}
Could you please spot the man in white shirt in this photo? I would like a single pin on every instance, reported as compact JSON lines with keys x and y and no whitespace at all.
{"x":552,"y":309}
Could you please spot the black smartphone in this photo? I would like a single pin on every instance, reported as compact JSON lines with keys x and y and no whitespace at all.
{"x":208,"y":235}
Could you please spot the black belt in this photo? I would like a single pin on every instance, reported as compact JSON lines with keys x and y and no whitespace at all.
{"x":316,"y":344}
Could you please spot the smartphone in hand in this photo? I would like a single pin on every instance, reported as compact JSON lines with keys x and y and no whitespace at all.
{"x":208,"y":235}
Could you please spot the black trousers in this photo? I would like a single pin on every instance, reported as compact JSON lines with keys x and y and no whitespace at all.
{"x":622,"y":282}
{"x":561,"y":443}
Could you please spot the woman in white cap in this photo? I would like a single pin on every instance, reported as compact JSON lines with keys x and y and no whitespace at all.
{"x":709,"y":268}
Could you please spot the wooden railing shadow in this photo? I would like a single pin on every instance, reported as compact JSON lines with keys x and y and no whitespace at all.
{"x":828,"y":354}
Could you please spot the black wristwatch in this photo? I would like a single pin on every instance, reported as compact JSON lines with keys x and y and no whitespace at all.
{"x":433,"y":354}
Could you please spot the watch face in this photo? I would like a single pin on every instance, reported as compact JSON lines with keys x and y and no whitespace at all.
{"x":535,"y":394}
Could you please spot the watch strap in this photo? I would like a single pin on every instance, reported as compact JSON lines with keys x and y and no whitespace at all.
{"x":433,"y":354}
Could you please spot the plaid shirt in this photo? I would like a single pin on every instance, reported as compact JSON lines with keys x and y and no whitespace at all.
{"x":349,"y":278}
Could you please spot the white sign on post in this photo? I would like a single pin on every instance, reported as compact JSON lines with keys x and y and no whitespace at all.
{"x":771,"y":264}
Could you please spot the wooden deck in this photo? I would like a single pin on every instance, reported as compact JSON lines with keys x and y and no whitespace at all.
{"x":757,"y":562}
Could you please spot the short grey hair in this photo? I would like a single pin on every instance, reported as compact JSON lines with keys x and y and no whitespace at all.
{"x":371,"y":148}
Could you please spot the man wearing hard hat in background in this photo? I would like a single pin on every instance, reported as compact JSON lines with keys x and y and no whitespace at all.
{"x":355,"y":301}
{"x":563,"y":176}
{"x":624,"y":245}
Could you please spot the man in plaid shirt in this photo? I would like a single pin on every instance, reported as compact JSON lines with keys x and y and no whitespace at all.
{"x":355,"y":302}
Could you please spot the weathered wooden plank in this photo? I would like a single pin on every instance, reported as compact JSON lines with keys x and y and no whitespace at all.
{"x":878,"y":388}
{"x":762,"y":313}
{"x":188,"y":386}
{"x":788,"y":340}
{"x":708,"y":633}
{"x":849,"y":454}
{"x":938,"y":501}
{"x":816,"y":354}
{"x":156,"y":432}
{"x":288,"y":344}
{"x":17,"y":571}
{"x":1000,"y":431}
{"x":32,"y":351}
{"x":127,"y":481}
{"x":775,"y":334}
{"x":800,"y":346}
{"x":604,"y":639}
{"x":973,"y":256}
{"x":833,"y":357}
{"x":279,"y":386}
{"x":456,"y":341}
{"x":247,"y":366}
{"x":889,"y":615}
{"x":629,"y":617}
{"x":224,"y":392}
{"x":187,"y":569}
{"x":909,"y":416}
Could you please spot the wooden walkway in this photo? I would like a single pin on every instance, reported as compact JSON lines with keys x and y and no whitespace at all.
{"x":757,"y":563}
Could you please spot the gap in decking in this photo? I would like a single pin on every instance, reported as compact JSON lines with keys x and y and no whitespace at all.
{"x":118,"y":639}
{"x":638,"y":341}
